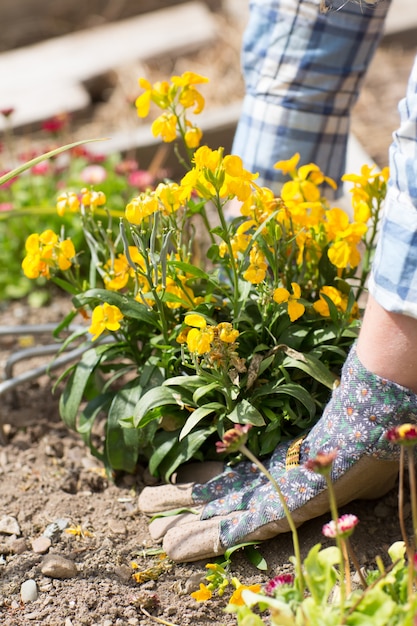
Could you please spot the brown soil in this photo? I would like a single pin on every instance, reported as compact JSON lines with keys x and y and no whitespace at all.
{"x":48,"y":475}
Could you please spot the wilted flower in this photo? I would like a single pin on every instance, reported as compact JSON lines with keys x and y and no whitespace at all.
{"x":344,"y":526}
{"x":322,"y":462}
{"x":233,"y":439}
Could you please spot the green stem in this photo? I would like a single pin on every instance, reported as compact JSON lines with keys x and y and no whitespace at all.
{"x":219,"y":208}
{"x":355,"y":562}
{"x":409,"y":550}
{"x":335,"y":517}
{"x":298,"y":563}
{"x":412,"y":478}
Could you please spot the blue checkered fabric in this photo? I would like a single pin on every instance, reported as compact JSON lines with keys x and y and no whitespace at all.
{"x":303,"y":70}
{"x":393,"y":282}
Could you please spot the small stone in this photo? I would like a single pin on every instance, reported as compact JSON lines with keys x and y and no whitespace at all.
{"x":124,"y":572}
{"x":41,"y":545}
{"x":56,"y":566}
{"x":9,"y":526}
{"x":18,"y":546}
{"x":117,"y":527}
{"x":28,"y":591}
{"x":382,"y":510}
{"x":54,"y":530}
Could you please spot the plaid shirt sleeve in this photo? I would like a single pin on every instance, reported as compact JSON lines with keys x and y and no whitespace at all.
{"x":303,"y":70}
{"x":393,"y":281}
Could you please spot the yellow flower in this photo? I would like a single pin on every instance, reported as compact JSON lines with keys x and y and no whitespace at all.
{"x":143,"y":102}
{"x":237,"y":599}
{"x":203,"y":594}
{"x":166,"y":126}
{"x":193,"y":136}
{"x":363,"y":178}
{"x":67,"y":201}
{"x":141,"y":207}
{"x":336,"y":296}
{"x":189,"y":78}
{"x":260,"y":204}
{"x":227,"y":333}
{"x":118,"y":273}
{"x":256,"y":271}
{"x":105,"y":317}
{"x":92,"y":198}
{"x":200,"y":337}
{"x":191,"y":97}
{"x":159,"y":93}
{"x":237,"y":181}
{"x":171,"y":195}
{"x":45,"y":252}
{"x":295,"y":308}
{"x":346,"y":235}
{"x":290,"y":166}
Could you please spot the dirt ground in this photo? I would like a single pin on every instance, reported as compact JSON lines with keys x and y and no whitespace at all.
{"x":57,"y":503}
{"x":49,"y":483}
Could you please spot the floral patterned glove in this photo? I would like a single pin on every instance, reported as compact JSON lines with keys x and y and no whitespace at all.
{"x":241,"y":504}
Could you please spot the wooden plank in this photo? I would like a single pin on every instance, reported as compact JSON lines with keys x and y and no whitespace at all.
{"x":63,"y":62}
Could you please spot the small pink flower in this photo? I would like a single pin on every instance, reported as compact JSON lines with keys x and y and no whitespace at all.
{"x":41,"y":169}
{"x":127,"y":166}
{"x":56,"y":123}
{"x":344,"y":527}
{"x":7,"y":112}
{"x":233,"y":438}
{"x":93,"y":174}
{"x":6,"y":206}
{"x":277,"y":582}
{"x":141,"y":179}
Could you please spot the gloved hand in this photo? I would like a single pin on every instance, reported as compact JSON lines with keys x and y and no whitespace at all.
{"x":240,"y":504}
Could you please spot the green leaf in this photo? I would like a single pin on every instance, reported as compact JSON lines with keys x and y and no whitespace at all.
{"x":256,"y":558}
{"x":72,"y":395}
{"x":189,"y":381}
{"x":87,"y":418}
{"x":200,"y":392}
{"x":320,"y":573}
{"x":181,"y":452}
{"x":173,"y":512}
{"x":197,"y":415}
{"x":290,"y":390}
{"x":123,"y":444}
{"x":187,"y":268}
{"x":245,"y":413}
{"x":312,"y":366}
{"x":152,"y":399}
{"x":128,"y":306}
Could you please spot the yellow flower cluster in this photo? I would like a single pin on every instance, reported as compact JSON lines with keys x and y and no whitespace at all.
{"x":201,"y":338}
{"x":46,"y":252}
{"x":174,"y":99}
{"x":167,"y":198}
{"x":215,"y":175}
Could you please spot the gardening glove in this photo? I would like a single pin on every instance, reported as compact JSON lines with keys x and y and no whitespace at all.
{"x":241,"y":505}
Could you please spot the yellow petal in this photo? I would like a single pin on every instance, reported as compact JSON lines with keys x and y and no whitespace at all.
{"x":281,"y":295}
{"x":295,"y":309}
